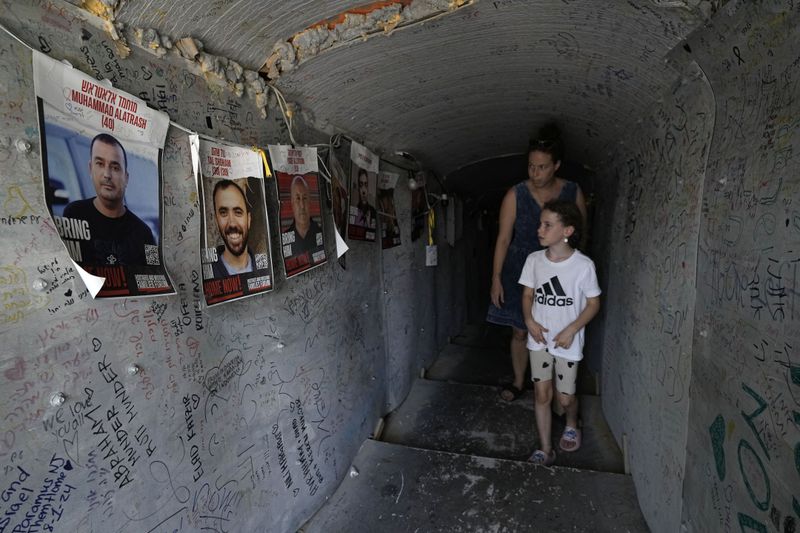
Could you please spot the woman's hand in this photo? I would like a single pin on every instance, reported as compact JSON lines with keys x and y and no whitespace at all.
{"x":508,"y":212}
{"x":498,"y":298}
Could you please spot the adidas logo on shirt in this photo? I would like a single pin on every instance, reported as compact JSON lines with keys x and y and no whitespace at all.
{"x":551,"y":293}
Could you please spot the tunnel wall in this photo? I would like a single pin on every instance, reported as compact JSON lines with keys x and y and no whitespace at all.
{"x":423,"y":306}
{"x":650,"y":296}
{"x":398,"y":283}
{"x":743,"y":449}
{"x":308,"y":368}
{"x":700,"y":374}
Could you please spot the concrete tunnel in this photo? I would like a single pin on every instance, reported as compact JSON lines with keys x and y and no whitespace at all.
{"x":680,"y":120}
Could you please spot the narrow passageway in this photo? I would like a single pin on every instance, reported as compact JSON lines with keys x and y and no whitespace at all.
{"x":184,"y":396}
{"x":453,"y":456}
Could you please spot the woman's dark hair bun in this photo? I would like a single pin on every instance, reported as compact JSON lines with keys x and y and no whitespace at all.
{"x":548,"y":140}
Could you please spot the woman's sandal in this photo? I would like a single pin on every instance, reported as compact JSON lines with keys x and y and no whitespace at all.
{"x":509,"y":390}
{"x":570,"y":439}
{"x":541,"y":458}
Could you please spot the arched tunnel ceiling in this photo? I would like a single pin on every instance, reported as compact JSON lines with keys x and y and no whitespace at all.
{"x":243,"y":30}
{"x":470,"y":85}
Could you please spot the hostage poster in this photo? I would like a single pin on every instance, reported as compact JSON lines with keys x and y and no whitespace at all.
{"x":338,"y":193}
{"x":234,"y":250}
{"x":419,"y":206}
{"x":390,"y":229}
{"x":362,"y":215}
{"x":297,"y":174}
{"x":101,"y":168}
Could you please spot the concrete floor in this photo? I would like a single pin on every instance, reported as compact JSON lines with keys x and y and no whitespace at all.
{"x":474,"y":420}
{"x":452,"y":458}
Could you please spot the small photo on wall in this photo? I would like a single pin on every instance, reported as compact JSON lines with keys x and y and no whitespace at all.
{"x":235,"y":249}
{"x":339,"y":194}
{"x":390,"y":228}
{"x":419,"y":207}
{"x":302,"y":237}
{"x":362,"y":218}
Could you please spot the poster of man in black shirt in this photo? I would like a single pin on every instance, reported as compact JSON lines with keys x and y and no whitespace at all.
{"x":307,"y":233}
{"x":302,"y":238}
{"x":101,"y":160}
{"x":419,"y":206}
{"x":390,"y":227}
{"x":118,"y":236}
{"x":363,"y":217}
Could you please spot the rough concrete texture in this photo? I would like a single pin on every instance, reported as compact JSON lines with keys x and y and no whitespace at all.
{"x":216,"y":69}
{"x":474,"y":420}
{"x":368,"y":20}
{"x":398,"y":489}
{"x":744,"y":420}
{"x":598,"y":65}
{"x":651,"y":292}
{"x":690,"y":123}
{"x":699,"y":323}
{"x":106,"y":9}
{"x":310,"y":358}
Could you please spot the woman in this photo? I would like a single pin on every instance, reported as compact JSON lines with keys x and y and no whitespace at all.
{"x":519,"y":216}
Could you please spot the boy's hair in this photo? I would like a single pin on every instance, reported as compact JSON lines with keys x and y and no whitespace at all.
{"x":569,"y":215}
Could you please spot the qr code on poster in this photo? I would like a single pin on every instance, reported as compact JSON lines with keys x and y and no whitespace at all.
{"x":151,"y":254}
{"x":262,"y":261}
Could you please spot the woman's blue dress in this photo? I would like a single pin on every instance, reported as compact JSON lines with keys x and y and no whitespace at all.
{"x":524,"y":242}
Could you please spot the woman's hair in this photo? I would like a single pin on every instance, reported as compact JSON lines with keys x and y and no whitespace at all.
{"x":569,"y":215}
{"x":548,"y":141}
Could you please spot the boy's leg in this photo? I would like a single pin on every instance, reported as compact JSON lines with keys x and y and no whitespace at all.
{"x":566,"y":384}
{"x":544,"y":417}
{"x":570,"y":404}
{"x":558,"y":409}
{"x":542,"y":373}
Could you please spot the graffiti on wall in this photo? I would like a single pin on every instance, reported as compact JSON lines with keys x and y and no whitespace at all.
{"x":743,"y":465}
{"x":156,"y":414}
{"x":650,"y":308}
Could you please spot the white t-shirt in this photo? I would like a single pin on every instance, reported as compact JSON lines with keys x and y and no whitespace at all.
{"x":560,"y":292}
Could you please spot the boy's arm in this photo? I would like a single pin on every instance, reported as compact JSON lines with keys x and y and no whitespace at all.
{"x":564,"y":339}
{"x":534,"y":328}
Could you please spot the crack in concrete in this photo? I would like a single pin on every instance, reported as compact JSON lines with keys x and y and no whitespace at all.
{"x":215,"y":69}
{"x":359,"y":23}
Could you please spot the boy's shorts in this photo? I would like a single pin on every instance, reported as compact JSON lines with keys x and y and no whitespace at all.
{"x":544,"y":365}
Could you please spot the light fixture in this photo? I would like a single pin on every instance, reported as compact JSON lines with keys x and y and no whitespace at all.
{"x":440,"y":197}
{"x":417,"y":180}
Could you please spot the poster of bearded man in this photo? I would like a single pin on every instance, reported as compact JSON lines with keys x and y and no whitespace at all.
{"x":235,"y":249}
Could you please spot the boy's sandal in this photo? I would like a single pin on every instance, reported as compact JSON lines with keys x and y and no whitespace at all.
{"x":570,"y":439}
{"x":509,"y":392}
{"x":541,"y":458}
